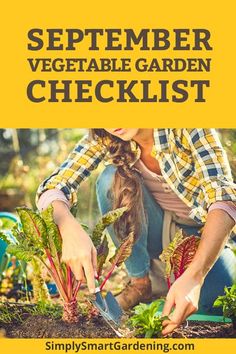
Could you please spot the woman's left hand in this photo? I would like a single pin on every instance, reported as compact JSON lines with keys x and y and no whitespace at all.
{"x":183,"y":296}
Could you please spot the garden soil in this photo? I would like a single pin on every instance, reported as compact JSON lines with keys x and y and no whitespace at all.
{"x":45,"y":327}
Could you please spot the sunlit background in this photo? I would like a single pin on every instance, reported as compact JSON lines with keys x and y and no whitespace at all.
{"x":29,"y":155}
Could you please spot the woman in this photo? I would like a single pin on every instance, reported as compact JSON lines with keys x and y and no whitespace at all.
{"x":155,"y":173}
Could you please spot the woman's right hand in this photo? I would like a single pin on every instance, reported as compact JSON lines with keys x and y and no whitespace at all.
{"x":78,"y":250}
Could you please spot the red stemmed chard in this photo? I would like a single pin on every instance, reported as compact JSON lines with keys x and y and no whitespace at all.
{"x":38,"y":238}
{"x":178,"y":255}
{"x":100,"y":241}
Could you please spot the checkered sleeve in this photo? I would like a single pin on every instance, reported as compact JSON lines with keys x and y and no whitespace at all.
{"x":84,"y":158}
{"x":211,"y":166}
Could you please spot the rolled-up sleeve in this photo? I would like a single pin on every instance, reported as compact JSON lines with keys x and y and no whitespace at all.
{"x":84,"y":158}
{"x":211,"y":166}
{"x":229,"y":207}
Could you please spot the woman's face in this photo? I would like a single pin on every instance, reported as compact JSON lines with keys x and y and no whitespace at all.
{"x":123,"y":133}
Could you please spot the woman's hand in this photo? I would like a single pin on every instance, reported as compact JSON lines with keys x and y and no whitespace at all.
{"x":185,"y":292}
{"x":78,"y":250}
{"x":183,"y":296}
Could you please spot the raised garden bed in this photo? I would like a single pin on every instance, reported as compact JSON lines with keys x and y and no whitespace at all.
{"x":27,"y":324}
{"x":38,"y":326}
{"x":43,"y":327}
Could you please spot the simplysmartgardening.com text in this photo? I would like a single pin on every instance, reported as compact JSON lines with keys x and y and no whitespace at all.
{"x":72,"y":346}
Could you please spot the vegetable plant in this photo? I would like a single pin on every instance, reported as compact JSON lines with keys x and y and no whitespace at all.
{"x":101,"y":243}
{"x":178,"y":255}
{"x":146,"y":319}
{"x":228,"y":303}
{"x":39,"y":240}
{"x":40,"y":289}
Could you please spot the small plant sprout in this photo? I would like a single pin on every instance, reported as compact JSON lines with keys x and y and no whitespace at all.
{"x":228,"y":303}
{"x":146,"y":319}
{"x":178,"y":255}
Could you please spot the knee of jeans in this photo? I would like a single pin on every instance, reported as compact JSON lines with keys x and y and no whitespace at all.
{"x":105,"y":180}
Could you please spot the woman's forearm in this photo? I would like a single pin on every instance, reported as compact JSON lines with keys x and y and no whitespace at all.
{"x":61,"y":212}
{"x":63,"y":218}
{"x":61,"y":209}
{"x":214,"y":236}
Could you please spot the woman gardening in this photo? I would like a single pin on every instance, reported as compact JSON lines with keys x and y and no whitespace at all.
{"x":164,"y":177}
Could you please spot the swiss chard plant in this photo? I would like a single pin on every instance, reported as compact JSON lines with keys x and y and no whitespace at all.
{"x":39,"y":240}
{"x":100,"y":241}
{"x":178,"y":255}
{"x":146,"y":319}
{"x":228,"y":303}
{"x":25,"y":241}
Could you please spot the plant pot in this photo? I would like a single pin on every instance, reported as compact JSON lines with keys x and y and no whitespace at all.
{"x":10,"y":199}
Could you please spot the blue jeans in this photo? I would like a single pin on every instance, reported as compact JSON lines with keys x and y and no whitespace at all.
{"x":149,"y":243}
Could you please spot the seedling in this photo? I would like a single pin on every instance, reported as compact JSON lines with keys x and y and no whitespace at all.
{"x":146,"y":319}
{"x":9,"y":313}
{"x":228,"y":303}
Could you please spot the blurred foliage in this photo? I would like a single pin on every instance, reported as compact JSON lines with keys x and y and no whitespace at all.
{"x":27,"y":169}
{"x":6,"y":224}
{"x":33,"y":154}
{"x":228,"y":139}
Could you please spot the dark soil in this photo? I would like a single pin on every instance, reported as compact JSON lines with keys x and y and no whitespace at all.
{"x":205,"y":330}
{"x":25,"y":324}
{"x":45,"y":327}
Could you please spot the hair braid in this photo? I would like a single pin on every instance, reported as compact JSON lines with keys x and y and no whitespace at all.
{"x":126,"y":189}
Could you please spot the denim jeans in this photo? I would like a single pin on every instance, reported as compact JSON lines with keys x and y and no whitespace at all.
{"x":149,"y":243}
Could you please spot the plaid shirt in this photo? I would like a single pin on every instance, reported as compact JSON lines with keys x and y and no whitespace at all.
{"x":192,"y":161}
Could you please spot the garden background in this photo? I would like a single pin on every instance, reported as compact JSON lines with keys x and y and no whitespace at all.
{"x":29,"y":155}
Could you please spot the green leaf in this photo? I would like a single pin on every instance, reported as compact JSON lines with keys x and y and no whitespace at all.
{"x":106,"y":220}
{"x":20,"y":252}
{"x":33,"y":225}
{"x":85,"y":227}
{"x":5,"y":237}
{"x":218,"y":303}
{"x":146,"y":320}
{"x":168,"y":252}
{"x":233,"y":289}
{"x":139,"y":309}
{"x":102,"y":253}
{"x":4,"y":263}
{"x":52,"y":235}
{"x":149,"y":333}
{"x":123,"y":251}
{"x":227,"y":301}
{"x":17,"y":233}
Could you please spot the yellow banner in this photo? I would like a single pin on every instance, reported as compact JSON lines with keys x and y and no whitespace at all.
{"x":91,"y":64}
{"x":104,"y":346}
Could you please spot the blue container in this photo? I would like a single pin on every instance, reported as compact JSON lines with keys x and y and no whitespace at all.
{"x":8,"y":216}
